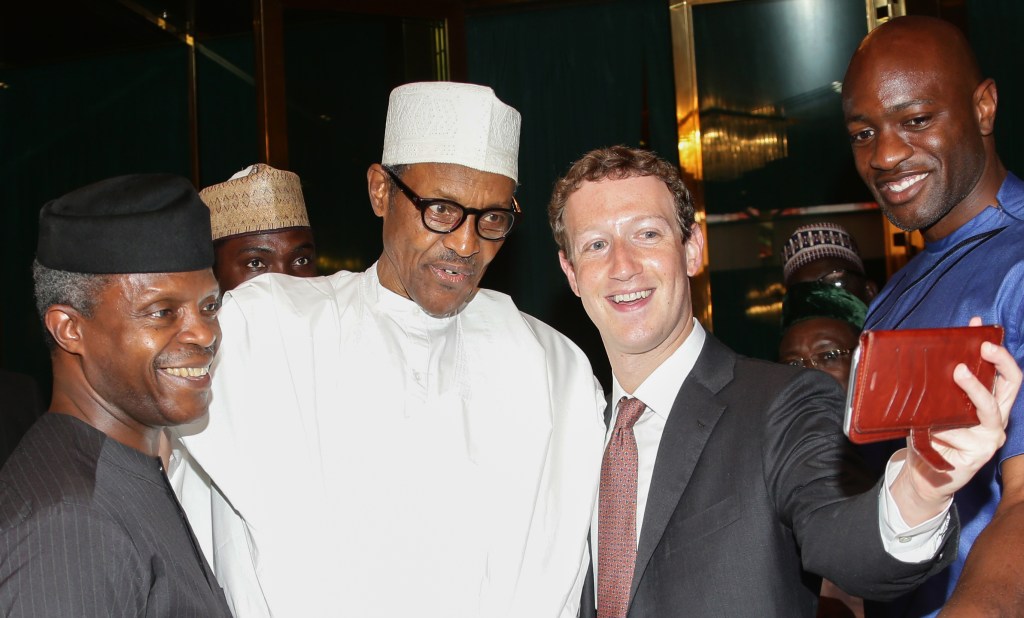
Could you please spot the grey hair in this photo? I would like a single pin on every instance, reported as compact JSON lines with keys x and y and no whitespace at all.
{"x":61,"y":287}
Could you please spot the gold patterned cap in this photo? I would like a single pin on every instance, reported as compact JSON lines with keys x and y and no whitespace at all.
{"x":256,"y":199}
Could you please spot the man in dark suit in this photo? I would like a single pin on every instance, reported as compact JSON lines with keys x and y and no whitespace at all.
{"x":89,"y":525}
{"x":727,"y":488}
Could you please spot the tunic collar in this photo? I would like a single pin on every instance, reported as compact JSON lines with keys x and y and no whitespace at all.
{"x":396,"y":303}
{"x":95,"y":443}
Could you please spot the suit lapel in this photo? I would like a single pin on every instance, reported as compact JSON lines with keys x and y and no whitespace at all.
{"x":587,"y":607}
{"x":694,"y":414}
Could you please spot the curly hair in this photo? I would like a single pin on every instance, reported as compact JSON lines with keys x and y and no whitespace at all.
{"x":616,"y":163}
{"x":60,"y":287}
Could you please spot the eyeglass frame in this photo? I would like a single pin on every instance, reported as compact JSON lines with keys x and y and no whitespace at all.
{"x":839,"y":283}
{"x":422,"y":203}
{"x":840,"y":353}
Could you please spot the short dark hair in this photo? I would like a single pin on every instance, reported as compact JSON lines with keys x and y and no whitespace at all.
{"x":61,"y":287}
{"x":617,"y":163}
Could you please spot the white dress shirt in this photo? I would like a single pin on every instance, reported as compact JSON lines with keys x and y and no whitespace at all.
{"x":368,"y":459}
{"x":659,"y":391}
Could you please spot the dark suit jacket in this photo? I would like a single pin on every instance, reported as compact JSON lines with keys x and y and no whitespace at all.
{"x":756,"y":495}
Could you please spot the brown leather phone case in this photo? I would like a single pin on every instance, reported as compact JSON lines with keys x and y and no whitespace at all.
{"x":902,"y":384}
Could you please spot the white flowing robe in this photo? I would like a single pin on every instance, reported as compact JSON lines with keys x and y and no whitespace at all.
{"x":370,"y":460}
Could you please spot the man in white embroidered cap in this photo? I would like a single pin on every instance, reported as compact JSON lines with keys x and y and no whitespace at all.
{"x":400,"y":441}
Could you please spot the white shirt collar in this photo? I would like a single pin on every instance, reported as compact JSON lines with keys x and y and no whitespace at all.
{"x":660,"y":388}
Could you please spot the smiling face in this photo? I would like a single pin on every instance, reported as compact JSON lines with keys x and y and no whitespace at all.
{"x":631,"y":268}
{"x":289,"y":251}
{"x":918,"y":119}
{"x":439,"y":272}
{"x":147,"y":350}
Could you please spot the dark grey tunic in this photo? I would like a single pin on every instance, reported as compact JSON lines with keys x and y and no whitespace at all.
{"x":90,"y":527}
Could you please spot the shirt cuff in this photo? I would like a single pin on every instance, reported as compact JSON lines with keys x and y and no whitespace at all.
{"x":902,"y":542}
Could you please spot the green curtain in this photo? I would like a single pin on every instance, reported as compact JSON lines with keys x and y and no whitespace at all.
{"x":66,"y":125}
{"x":226,"y":102}
{"x":993,"y":27}
{"x":339,"y":72}
{"x":584,"y":76}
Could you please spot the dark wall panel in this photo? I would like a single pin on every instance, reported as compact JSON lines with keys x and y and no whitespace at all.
{"x":66,"y":125}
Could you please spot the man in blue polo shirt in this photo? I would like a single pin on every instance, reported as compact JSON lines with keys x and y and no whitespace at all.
{"x":920,"y":117}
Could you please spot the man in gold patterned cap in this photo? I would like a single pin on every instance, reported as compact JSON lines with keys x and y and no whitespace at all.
{"x":260,"y":225}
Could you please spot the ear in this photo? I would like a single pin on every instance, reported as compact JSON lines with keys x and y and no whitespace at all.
{"x":65,"y":326}
{"x":378,"y":187}
{"x":694,"y":251}
{"x":985,"y":101}
{"x":570,"y":272}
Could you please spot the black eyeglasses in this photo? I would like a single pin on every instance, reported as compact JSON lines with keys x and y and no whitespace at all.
{"x":828,"y":359}
{"x":445,"y":216}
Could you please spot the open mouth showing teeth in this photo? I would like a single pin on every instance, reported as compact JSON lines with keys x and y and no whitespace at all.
{"x":451,"y":273}
{"x":187,"y":372}
{"x":628,"y":298}
{"x":904,"y":184}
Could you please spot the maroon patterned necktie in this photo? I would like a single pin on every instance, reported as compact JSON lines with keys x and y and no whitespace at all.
{"x":616,"y":515}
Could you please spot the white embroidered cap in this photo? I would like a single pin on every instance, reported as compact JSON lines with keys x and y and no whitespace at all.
{"x":816,"y":241}
{"x":447,"y":122}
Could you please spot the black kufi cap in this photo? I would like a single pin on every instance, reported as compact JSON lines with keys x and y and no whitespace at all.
{"x":143,"y":223}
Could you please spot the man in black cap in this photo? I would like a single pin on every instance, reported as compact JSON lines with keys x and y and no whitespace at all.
{"x":89,"y":525}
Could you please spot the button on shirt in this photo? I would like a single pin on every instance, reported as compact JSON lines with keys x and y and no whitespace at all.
{"x":659,"y":392}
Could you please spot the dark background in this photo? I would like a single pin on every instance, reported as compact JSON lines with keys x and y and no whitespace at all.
{"x":96,"y":88}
